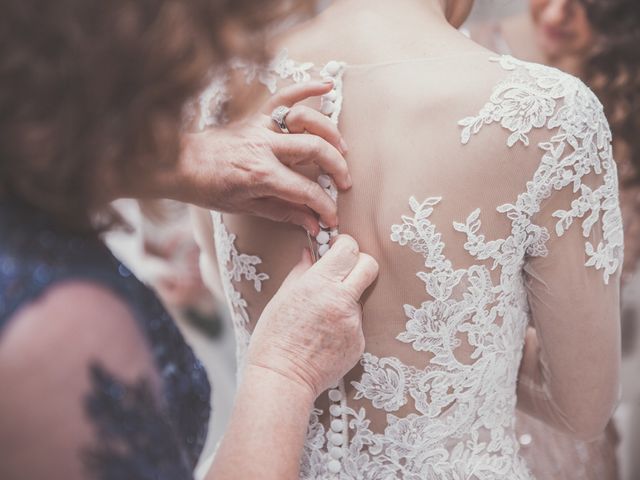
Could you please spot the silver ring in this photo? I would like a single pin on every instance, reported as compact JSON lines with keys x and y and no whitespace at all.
{"x":279,"y":115}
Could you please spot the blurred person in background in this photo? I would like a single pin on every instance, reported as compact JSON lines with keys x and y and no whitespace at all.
{"x":160,"y":248}
{"x":598,"y":41}
{"x":97,"y":380}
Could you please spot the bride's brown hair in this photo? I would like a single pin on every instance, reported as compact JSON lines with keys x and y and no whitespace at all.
{"x":613,"y":72}
{"x":90,"y":87}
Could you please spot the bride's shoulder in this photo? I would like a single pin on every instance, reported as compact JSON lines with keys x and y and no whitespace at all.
{"x":524,"y":96}
{"x":499,"y":73}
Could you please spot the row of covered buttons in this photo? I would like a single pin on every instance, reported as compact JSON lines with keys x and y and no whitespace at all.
{"x":336,"y":436}
{"x":328,"y":100}
{"x":326,"y":234}
{"x":338,"y":427}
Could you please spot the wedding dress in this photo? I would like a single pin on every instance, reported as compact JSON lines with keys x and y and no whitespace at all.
{"x":486,"y":189}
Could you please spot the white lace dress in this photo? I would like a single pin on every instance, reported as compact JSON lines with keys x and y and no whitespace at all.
{"x":486,"y":206}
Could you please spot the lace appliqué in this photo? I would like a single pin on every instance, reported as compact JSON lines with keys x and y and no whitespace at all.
{"x":212,"y":102}
{"x":281,"y":67}
{"x":582,"y":145}
{"x":235,"y":267}
{"x":462,"y":429}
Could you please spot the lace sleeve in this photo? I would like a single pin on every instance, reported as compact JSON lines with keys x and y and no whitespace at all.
{"x":84,"y":400}
{"x":569,"y":374}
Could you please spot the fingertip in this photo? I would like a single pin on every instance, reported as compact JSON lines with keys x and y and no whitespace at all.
{"x":346,"y":183}
{"x":311,"y":226}
{"x":347,"y":242}
{"x":372,"y":265}
{"x":330,"y":221}
{"x":320,"y":87}
{"x":344,"y":148}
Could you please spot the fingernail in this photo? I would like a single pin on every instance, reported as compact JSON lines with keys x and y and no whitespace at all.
{"x":328,"y":80}
{"x":349,"y":180}
{"x":344,"y":148}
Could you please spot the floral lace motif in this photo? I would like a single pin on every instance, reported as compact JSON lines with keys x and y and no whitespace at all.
{"x":234,"y":267}
{"x":281,"y":67}
{"x":582,"y":145}
{"x":212,"y":101}
{"x":465,"y":411}
{"x":462,"y":427}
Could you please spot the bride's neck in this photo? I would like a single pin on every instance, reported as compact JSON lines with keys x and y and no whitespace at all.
{"x":395,"y":10}
{"x":372,"y":31}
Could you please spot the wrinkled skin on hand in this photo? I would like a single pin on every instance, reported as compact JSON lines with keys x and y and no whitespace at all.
{"x":249,"y":167}
{"x":311,"y":331}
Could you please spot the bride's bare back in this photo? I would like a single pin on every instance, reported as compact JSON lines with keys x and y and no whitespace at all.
{"x":486,"y":190}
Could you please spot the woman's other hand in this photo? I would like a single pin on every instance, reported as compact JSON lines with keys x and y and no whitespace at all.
{"x":311,"y":331}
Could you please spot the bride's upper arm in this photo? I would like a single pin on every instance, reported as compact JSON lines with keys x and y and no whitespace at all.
{"x":573,"y":276}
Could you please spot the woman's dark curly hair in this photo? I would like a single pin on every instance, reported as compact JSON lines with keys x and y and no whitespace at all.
{"x":94,"y":89}
{"x":613,"y":72}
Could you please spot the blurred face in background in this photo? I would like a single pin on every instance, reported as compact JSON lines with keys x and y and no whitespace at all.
{"x":561,"y":27}
{"x":457,"y":11}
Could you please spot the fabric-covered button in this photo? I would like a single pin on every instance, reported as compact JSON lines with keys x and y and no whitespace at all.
{"x":337,"y":439}
{"x":336,"y":453}
{"x":331,"y":96}
{"x":323,"y":249}
{"x":334,"y":466}
{"x":335,"y":410}
{"x":332,"y":67}
{"x":327,"y":108}
{"x":525,"y":439}
{"x":337,"y":425}
{"x":324,"y":181}
{"x":335,"y":395}
{"x":323,"y":237}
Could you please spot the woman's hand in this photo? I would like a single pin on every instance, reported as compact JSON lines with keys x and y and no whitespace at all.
{"x":311,"y":331}
{"x":247,"y":167}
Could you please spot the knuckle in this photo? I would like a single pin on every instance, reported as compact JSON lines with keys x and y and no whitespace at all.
{"x":313,"y":191}
{"x":371,"y":264}
{"x":354,"y":325}
{"x":347,"y":244}
{"x":316,"y":146}
{"x":318,"y":280}
{"x":283,"y":216}
{"x":259,"y":174}
{"x":297,"y":113}
{"x":351,"y":297}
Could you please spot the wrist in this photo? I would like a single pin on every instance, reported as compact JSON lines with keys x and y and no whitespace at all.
{"x":180,"y":180}
{"x":177,"y":182}
{"x":273,"y":382}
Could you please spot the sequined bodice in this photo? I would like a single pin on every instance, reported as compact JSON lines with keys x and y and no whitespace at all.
{"x":165,"y":436}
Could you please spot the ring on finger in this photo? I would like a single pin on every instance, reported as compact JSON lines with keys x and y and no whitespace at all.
{"x":279,"y":116}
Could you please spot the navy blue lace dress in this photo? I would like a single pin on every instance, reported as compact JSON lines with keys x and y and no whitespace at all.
{"x":138,"y":434}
